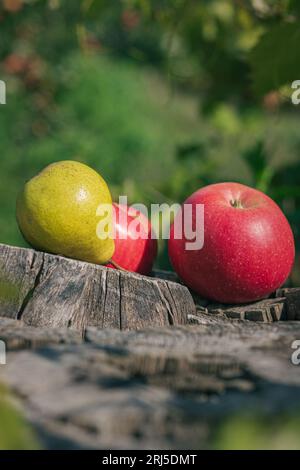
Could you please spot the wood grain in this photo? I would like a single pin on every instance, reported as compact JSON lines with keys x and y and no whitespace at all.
{"x":164,"y":388}
{"x":284,"y":304}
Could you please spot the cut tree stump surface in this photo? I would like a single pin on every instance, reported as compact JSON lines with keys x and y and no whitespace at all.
{"x":83,"y":383}
{"x":52,"y":291}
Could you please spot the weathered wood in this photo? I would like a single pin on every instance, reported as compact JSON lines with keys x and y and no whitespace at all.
{"x":268,"y":310}
{"x":17,"y":335}
{"x":161,"y":388}
{"x":52,"y":291}
{"x":284,"y":304}
{"x":292,"y":303}
{"x":164,"y":387}
{"x":47,"y":290}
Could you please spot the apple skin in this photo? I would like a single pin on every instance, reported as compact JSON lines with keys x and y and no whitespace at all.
{"x":136,"y":255}
{"x":248,"y":250}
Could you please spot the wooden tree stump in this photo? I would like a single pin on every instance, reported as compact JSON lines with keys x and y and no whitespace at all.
{"x":159,"y":388}
{"x":51,"y":291}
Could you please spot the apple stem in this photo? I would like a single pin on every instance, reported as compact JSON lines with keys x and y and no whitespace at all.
{"x":116,"y":265}
{"x":236,"y":203}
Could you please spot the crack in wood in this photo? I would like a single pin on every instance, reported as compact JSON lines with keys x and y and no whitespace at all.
{"x":30,"y":293}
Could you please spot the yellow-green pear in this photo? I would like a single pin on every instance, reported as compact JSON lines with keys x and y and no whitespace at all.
{"x":67,"y":210}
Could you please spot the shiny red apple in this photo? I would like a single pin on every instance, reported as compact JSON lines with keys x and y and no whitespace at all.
{"x":135,"y":248}
{"x":248,"y":249}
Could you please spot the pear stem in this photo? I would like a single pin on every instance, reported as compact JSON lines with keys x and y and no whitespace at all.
{"x":116,"y":265}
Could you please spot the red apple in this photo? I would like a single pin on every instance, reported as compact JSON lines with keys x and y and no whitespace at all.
{"x":136,"y":249}
{"x":248,"y":249}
